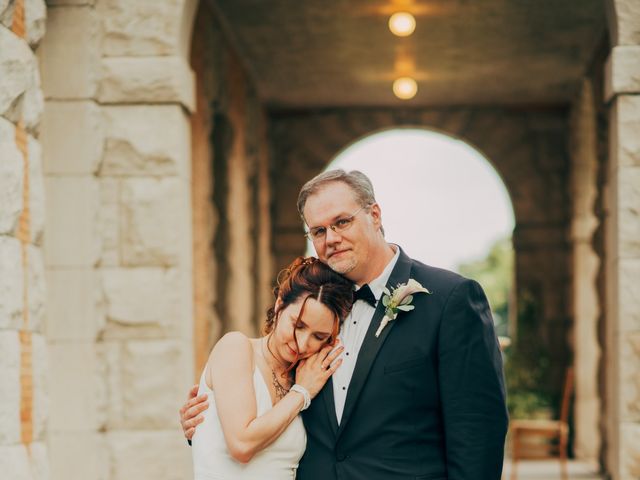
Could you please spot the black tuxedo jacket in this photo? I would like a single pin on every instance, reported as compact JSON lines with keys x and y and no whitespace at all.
{"x":427,"y":397}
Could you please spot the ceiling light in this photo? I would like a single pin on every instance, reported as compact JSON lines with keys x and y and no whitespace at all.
{"x":402,"y":24}
{"x":405,"y":88}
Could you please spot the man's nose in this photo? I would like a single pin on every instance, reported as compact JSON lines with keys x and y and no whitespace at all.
{"x":332,"y":236}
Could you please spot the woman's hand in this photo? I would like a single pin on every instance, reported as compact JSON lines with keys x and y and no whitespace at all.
{"x":313,"y":372}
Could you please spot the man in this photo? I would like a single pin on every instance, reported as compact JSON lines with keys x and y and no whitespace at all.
{"x":421,"y":398}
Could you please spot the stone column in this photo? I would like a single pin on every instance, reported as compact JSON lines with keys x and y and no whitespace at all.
{"x":119,"y":93}
{"x":72,"y":144}
{"x":622,"y":91}
{"x":23,"y":372}
{"x":231,"y":192}
{"x":146,"y":92}
{"x":586,"y":308}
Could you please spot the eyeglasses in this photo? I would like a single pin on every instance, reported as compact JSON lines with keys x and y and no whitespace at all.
{"x":318,"y":234}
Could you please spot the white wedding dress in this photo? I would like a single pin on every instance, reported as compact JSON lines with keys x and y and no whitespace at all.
{"x":211,"y":458}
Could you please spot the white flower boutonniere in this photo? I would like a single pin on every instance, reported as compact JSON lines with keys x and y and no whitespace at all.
{"x":399,"y":299}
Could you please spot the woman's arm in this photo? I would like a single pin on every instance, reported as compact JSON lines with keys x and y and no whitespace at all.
{"x":231,"y":369}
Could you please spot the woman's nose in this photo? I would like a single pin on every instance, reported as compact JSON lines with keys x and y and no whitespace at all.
{"x":303,"y":340}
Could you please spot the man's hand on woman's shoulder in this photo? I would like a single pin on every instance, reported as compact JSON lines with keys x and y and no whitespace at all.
{"x":190,"y":413}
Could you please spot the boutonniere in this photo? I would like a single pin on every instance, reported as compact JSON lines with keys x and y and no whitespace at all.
{"x":399,"y":300}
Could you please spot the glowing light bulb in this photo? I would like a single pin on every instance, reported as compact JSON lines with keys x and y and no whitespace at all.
{"x":402,"y":24}
{"x":405,"y":88}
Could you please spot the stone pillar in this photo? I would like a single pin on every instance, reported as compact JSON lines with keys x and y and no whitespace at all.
{"x":622,"y":91}
{"x":231,"y":192}
{"x":23,"y":365}
{"x":265,"y":268}
{"x":118,"y":236}
{"x":241,"y":248}
{"x":586,"y":308}
{"x":72,"y":144}
{"x":146,"y":92}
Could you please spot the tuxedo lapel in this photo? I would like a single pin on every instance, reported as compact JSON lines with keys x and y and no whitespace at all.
{"x":371,"y":345}
{"x":329,"y":403}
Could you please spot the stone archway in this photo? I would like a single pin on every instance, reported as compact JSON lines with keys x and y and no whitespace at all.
{"x":116,"y":146}
{"x":427,"y":169}
{"x":525,"y":147}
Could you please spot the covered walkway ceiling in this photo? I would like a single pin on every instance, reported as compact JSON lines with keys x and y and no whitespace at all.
{"x":321,"y":53}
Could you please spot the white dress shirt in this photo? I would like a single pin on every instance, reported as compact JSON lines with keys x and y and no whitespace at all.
{"x":352,"y":335}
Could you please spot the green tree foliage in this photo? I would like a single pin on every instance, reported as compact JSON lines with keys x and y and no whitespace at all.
{"x":526,"y":360}
{"x":527,"y":366}
{"x":495,"y":274}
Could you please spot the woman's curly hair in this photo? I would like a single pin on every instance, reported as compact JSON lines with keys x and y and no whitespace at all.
{"x":309,"y":277}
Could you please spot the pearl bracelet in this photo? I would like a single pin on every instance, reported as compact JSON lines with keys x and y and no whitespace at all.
{"x":305,"y":393}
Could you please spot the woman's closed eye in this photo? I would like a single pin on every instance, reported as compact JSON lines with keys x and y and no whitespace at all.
{"x":318,"y":336}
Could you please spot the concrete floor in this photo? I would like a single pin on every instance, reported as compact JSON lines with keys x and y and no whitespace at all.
{"x":550,"y":470}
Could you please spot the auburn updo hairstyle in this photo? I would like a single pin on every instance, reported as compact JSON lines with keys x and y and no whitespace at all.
{"x":310,"y":278}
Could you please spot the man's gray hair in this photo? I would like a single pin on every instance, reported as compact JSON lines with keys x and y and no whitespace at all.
{"x":356,"y":180}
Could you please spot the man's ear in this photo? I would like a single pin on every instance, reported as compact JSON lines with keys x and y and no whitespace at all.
{"x":376,"y":214}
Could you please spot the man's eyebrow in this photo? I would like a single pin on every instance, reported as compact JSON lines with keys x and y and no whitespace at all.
{"x":334,"y":219}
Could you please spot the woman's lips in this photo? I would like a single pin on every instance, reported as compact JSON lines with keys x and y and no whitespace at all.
{"x":291,"y":350}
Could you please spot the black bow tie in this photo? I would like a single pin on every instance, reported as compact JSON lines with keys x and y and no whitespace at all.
{"x":364,"y":293}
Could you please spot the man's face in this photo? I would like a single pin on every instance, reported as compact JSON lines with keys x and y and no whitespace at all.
{"x":347,"y":252}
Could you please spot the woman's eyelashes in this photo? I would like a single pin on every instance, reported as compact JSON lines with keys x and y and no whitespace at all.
{"x":298,"y":325}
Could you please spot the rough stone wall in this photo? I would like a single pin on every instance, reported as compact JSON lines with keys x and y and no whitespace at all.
{"x":586,"y":265}
{"x":116,"y":141}
{"x":622,"y":93}
{"x":24,"y":398}
{"x":528,"y":148}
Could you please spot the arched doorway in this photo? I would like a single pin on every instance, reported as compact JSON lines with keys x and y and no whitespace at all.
{"x":443,"y":203}
{"x":442,"y":195}
{"x":519,"y":144}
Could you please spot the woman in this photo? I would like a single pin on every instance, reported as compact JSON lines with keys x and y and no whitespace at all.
{"x":254,"y":431}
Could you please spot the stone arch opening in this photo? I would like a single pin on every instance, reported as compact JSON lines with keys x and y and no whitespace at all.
{"x":444,"y":203}
{"x":434,"y":172}
{"x":526,"y":148}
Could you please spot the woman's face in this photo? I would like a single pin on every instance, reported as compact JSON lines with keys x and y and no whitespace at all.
{"x":312,"y":330}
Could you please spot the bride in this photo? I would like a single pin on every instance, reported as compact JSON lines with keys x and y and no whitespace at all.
{"x":258,"y":386}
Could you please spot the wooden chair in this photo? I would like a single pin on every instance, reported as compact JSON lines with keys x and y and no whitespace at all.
{"x":551,"y":435}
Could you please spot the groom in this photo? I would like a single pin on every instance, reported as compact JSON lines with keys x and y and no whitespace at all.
{"x":425,"y":397}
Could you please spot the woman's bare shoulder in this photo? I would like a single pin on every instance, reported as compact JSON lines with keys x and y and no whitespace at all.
{"x":232,"y":347}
